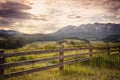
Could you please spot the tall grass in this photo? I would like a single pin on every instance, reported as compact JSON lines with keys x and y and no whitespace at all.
{"x":99,"y":67}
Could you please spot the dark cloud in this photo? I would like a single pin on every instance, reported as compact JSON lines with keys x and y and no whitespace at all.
{"x":13,"y":11}
{"x":4,"y":22}
{"x":114,"y":5}
{"x":14,"y":5}
{"x":112,"y":8}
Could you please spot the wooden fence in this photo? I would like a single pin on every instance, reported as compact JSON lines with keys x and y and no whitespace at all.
{"x":61,"y":57}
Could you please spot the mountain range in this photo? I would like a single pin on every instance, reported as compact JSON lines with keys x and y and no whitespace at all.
{"x":85,"y":31}
{"x":10,"y":39}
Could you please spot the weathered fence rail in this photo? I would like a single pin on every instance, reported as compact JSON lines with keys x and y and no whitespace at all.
{"x":61,"y":57}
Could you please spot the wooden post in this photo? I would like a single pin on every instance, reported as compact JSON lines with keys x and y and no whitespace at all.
{"x":108,"y":49}
{"x":2,"y":60}
{"x":90,"y":50}
{"x":61,"y":54}
{"x":119,"y":49}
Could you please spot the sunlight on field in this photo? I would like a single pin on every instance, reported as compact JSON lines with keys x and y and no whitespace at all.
{"x":100,"y":67}
{"x":76,"y":71}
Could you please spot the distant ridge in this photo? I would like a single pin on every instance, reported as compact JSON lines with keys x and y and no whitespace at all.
{"x":96,"y":30}
{"x":9,"y":32}
{"x":97,"y":27}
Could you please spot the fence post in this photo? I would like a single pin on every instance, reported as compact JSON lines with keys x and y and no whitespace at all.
{"x":90,"y":50}
{"x":119,"y":48}
{"x":108,"y":49}
{"x":2,"y":60}
{"x":61,"y":54}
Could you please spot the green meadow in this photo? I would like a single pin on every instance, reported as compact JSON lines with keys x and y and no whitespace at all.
{"x":99,"y":67}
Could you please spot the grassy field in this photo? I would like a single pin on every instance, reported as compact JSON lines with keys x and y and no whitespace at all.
{"x":100,"y":67}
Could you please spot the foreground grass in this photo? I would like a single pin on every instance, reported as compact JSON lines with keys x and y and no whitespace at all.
{"x":100,"y":67}
{"x":73,"y":72}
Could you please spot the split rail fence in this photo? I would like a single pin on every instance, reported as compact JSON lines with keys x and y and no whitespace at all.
{"x":60,"y":64}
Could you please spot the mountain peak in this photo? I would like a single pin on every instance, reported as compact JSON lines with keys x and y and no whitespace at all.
{"x":98,"y":30}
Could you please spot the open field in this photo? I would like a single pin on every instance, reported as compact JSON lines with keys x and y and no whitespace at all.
{"x":100,"y":67}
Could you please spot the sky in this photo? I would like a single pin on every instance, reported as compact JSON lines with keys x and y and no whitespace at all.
{"x":47,"y":16}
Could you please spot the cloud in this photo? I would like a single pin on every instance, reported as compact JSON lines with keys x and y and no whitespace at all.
{"x":34,"y":16}
{"x":35,"y":27}
{"x":4,"y":22}
{"x":40,"y":18}
{"x":14,"y":5}
{"x":13,"y":11}
{"x":74,"y":16}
